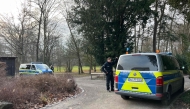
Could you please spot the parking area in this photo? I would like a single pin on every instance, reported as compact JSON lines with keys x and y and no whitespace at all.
{"x":95,"y":96}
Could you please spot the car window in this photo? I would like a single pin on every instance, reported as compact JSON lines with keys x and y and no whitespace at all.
{"x":138,"y":62}
{"x":169,"y":63}
{"x":33,"y":67}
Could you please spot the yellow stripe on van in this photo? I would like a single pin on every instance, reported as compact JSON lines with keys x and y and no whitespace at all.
{"x":117,"y":72}
{"x":157,"y":74}
{"x":142,"y":86}
{"x":169,"y":72}
{"x":172,"y":80}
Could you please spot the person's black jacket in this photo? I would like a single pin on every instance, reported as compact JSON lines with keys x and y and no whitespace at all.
{"x":108,"y":67}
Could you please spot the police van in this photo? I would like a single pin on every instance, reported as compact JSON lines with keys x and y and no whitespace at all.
{"x":148,"y":75}
{"x":34,"y":68}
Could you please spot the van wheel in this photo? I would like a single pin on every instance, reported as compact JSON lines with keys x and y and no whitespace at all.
{"x":167,"y":100}
{"x":182,"y":87}
{"x":21,"y":75}
{"x":125,"y":97}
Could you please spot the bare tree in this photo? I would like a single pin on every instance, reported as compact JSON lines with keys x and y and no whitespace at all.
{"x":70,"y":55}
{"x":17,"y":35}
{"x":38,"y":19}
{"x":43,"y":13}
{"x":76,"y":41}
{"x":157,"y":18}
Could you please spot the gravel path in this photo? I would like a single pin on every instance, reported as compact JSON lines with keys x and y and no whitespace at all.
{"x":95,"y":96}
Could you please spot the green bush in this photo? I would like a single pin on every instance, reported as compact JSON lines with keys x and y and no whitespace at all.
{"x":183,"y":61}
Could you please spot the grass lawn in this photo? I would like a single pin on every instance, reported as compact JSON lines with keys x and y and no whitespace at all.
{"x":75,"y":69}
{"x":186,"y":97}
{"x":73,"y":74}
{"x":183,"y":101}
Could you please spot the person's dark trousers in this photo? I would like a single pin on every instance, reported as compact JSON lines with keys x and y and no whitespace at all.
{"x":109,"y":79}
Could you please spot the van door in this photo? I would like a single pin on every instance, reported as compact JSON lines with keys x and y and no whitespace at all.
{"x":136,"y":73}
{"x":24,"y":69}
{"x":33,"y":70}
{"x":172,"y":73}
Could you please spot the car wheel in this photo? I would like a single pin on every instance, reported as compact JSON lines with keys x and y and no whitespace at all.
{"x":21,"y":75}
{"x":125,"y":97}
{"x":167,"y":99}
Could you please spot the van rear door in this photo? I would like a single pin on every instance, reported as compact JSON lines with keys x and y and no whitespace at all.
{"x":136,"y":73}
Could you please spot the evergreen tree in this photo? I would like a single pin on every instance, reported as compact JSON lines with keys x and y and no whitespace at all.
{"x":107,"y":24}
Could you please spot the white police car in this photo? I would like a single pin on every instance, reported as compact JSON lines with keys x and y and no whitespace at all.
{"x":34,"y":68}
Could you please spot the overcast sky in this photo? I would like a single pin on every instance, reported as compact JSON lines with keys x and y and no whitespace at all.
{"x":10,"y":6}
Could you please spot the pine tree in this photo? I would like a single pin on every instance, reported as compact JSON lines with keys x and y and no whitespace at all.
{"x":107,"y":24}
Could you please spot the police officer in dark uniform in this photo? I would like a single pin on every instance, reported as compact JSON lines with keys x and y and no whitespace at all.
{"x":107,"y":68}
{"x":52,"y":68}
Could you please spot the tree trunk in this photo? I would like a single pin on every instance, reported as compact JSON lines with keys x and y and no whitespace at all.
{"x":135,"y":40}
{"x":142,"y":41}
{"x":45,"y":22}
{"x":80,"y":70}
{"x":90,"y":69}
{"x":138,"y":43}
{"x":159,"y":37}
{"x":38,"y":39}
{"x":156,"y":22}
{"x":94,"y":67}
{"x":154,"y":34}
{"x":171,"y":26}
{"x":166,"y":49}
{"x":79,"y":67}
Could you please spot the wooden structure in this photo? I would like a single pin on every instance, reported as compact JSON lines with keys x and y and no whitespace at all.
{"x":10,"y":62}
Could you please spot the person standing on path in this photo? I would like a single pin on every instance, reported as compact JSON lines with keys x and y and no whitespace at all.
{"x":52,"y":68}
{"x":107,"y":68}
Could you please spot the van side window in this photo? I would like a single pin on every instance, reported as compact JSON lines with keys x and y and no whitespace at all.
{"x":176,"y":64}
{"x":27,"y":66}
{"x":23,"y":66}
{"x":169,"y":63}
{"x":33,"y":67}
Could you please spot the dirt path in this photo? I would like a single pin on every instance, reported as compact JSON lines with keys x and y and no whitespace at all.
{"x":95,"y":96}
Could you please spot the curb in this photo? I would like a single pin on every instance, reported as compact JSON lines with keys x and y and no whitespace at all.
{"x":6,"y":105}
{"x":178,"y":97}
{"x":72,"y":97}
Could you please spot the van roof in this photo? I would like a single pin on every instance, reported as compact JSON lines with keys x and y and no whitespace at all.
{"x":36,"y":62}
{"x":140,"y":54}
{"x":162,"y":53}
{"x":33,"y":63}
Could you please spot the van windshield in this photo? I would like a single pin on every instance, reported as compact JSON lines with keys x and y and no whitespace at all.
{"x":138,"y":62}
{"x":41,"y":66}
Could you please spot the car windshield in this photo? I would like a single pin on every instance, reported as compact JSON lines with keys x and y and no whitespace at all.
{"x":42,"y":66}
{"x":138,"y":62}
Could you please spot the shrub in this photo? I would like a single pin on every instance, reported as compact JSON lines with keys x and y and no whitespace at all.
{"x":183,"y":61}
{"x":28,"y":92}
